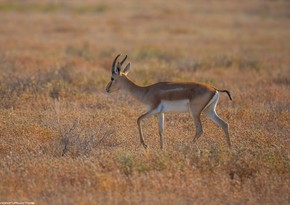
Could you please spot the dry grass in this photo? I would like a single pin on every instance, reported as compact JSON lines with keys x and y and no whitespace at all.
{"x":64,"y":141}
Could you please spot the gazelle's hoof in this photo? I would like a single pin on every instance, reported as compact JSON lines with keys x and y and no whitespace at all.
{"x":144,"y":145}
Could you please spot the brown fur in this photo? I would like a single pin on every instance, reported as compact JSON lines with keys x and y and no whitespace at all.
{"x":153,"y":94}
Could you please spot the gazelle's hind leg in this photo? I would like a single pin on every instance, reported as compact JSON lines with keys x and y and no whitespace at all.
{"x":198,"y":127}
{"x":196,"y":118}
{"x":210,"y":111}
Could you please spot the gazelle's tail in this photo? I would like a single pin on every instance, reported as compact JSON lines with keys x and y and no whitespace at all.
{"x":228,"y":92}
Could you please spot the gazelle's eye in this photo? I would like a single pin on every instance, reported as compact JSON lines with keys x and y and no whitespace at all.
{"x":112,"y":79}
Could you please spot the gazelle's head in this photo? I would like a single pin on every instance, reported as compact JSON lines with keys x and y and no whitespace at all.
{"x":118,"y":76}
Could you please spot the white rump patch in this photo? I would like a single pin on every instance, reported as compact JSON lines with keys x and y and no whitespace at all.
{"x":213,"y":99}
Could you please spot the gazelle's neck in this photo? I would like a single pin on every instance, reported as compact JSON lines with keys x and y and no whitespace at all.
{"x":135,"y":90}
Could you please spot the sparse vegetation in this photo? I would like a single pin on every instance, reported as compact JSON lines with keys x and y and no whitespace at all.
{"x":63,"y":140}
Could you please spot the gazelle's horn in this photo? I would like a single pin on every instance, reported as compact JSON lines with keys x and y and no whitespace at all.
{"x":114,"y":63}
{"x":123,"y":60}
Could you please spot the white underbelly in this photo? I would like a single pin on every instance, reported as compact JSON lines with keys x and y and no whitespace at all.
{"x":173,"y":106}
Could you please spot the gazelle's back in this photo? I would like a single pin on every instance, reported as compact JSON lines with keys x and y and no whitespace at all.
{"x":180,"y":91}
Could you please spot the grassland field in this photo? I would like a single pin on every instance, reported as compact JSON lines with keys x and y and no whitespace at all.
{"x":64,"y":140}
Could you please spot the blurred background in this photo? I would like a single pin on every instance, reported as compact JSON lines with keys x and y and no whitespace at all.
{"x":186,"y":35}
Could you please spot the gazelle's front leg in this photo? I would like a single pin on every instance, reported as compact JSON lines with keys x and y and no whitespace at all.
{"x":161,"y":128}
{"x":147,"y":114}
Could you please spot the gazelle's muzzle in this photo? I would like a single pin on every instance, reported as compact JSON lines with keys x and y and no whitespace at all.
{"x":108,"y":86}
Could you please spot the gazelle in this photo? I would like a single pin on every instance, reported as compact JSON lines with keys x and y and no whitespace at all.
{"x":162,"y":97}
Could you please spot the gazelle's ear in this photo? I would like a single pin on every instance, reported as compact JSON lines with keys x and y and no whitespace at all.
{"x":127,"y":68}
